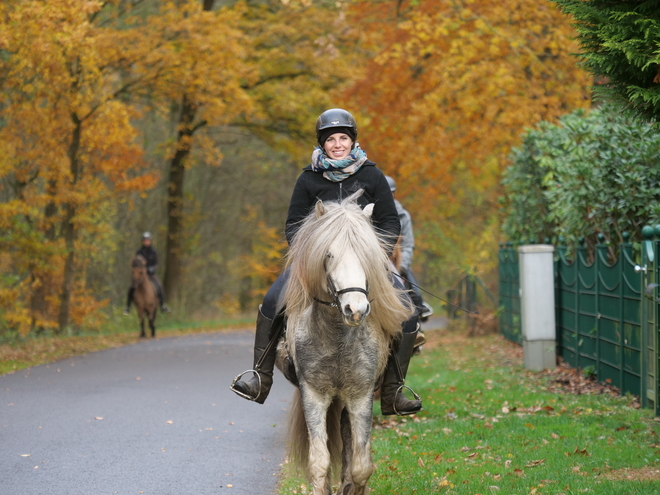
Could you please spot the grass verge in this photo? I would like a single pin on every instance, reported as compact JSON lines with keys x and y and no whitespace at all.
{"x":17,"y":353}
{"x":492,"y":427}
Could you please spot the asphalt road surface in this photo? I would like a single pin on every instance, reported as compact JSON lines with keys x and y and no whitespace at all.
{"x":153,"y":418}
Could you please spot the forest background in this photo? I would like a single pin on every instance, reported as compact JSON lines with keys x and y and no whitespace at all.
{"x":192,"y":119}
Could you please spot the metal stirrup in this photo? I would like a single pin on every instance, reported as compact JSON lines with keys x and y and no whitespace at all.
{"x":399,"y":373}
{"x":233,"y":388}
{"x":274,"y":339}
{"x":417,"y":397}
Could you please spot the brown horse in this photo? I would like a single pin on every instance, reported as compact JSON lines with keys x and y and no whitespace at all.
{"x":145,"y":296}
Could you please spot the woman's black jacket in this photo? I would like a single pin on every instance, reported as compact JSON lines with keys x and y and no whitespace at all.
{"x":312,"y":186}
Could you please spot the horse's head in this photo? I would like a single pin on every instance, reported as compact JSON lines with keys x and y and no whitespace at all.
{"x":346,"y":276}
{"x":337,"y":258}
{"x":139,"y":270}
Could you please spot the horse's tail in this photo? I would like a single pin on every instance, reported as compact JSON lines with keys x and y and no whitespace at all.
{"x":298,"y":438}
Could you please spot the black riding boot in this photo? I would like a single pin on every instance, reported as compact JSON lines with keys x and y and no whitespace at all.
{"x":129,"y":300}
{"x":161,"y":295}
{"x":392,"y":399}
{"x":258,"y":386}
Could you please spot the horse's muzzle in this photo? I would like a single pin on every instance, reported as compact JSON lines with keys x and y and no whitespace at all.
{"x":355,"y":318}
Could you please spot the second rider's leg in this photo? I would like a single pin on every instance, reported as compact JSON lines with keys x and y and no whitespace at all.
{"x":161,"y":294}
{"x":392,"y":399}
{"x":129,"y":300}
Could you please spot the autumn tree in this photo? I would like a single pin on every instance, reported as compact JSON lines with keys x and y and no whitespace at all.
{"x":68,"y":141}
{"x":449,"y":89}
{"x":248,"y":67}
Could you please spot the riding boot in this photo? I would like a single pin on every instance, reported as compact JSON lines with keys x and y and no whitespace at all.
{"x":161,"y":294}
{"x":258,"y":386}
{"x":129,"y":300}
{"x":392,"y":399}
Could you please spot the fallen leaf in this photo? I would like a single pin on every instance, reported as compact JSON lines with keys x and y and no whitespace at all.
{"x":535,"y":463}
{"x":581,"y":452}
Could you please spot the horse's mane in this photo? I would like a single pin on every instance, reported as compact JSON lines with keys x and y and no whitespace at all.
{"x":138,"y":261}
{"x":307,"y":259}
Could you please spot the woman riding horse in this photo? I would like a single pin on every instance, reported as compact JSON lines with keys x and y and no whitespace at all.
{"x":339,"y":168}
{"x":148,"y":252}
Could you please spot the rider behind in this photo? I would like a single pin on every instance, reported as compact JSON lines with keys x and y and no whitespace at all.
{"x":339,"y":167}
{"x":407,"y":244}
{"x":148,"y":252}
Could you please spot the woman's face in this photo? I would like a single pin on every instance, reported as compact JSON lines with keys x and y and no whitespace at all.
{"x":338,"y":146}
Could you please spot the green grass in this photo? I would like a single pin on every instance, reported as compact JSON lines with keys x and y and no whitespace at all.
{"x":489,"y":426}
{"x":18,"y":352}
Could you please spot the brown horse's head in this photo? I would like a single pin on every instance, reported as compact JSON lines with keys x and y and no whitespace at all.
{"x":139,"y":267}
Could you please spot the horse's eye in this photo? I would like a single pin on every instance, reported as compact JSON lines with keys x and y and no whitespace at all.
{"x":329,"y":255}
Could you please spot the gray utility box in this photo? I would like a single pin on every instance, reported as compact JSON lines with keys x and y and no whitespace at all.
{"x":537,"y":306}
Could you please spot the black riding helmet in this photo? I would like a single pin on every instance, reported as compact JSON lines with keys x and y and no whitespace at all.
{"x":335,"y":120}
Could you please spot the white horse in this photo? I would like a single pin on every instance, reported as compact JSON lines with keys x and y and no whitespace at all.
{"x":342,"y":314}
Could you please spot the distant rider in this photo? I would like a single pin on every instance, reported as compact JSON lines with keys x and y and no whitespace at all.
{"x":148,"y":252}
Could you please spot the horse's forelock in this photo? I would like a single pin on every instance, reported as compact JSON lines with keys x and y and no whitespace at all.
{"x":343,"y":222}
{"x":138,"y":262}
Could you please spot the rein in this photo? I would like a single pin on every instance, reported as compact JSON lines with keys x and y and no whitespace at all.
{"x":437,"y":297}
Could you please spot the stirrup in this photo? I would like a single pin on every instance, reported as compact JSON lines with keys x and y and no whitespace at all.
{"x":417,"y":397}
{"x":428,"y":310}
{"x":244,"y":395}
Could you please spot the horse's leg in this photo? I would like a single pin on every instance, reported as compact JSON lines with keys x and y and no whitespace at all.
{"x":142,"y":333}
{"x":316,"y":406}
{"x":346,"y":452}
{"x":152,"y":323}
{"x":354,"y":481}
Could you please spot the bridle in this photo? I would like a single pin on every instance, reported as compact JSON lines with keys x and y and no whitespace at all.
{"x":334,"y":294}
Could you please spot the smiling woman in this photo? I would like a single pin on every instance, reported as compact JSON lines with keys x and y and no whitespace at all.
{"x":338,"y":146}
{"x":338,"y":169}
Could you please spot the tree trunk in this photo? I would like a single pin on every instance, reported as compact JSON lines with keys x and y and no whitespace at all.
{"x":172,"y":278}
{"x":38,"y":296}
{"x":69,"y":229}
{"x":177,"y":167}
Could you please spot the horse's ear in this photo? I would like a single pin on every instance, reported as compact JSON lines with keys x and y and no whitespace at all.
{"x":319,"y":209}
{"x":368,"y":210}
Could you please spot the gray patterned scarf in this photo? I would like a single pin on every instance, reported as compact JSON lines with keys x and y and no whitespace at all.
{"x":338,"y":170}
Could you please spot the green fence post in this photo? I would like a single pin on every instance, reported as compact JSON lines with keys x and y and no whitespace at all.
{"x":648,"y":272}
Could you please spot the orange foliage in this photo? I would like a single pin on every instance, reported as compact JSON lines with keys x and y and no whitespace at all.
{"x":263,"y":263}
{"x":68,"y":145}
{"x":450,"y":88}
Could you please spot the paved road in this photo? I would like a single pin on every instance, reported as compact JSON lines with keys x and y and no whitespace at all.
{"x":154,"y":418}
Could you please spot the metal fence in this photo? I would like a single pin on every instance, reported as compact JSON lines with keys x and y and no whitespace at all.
{"x":509,"y":293}
{"x":606,"y":312}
